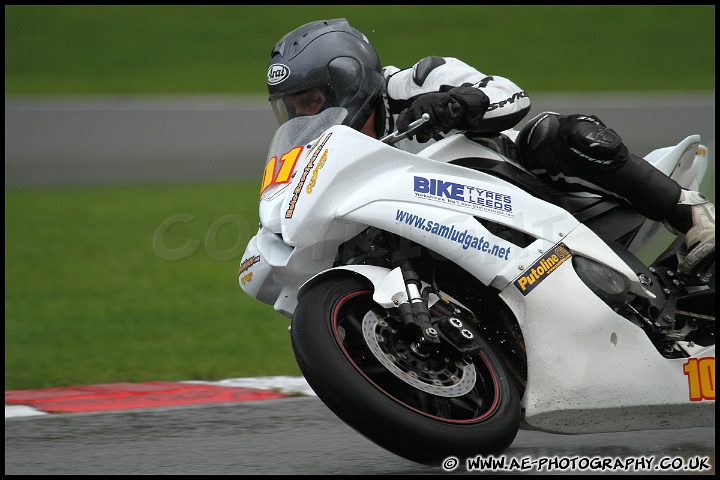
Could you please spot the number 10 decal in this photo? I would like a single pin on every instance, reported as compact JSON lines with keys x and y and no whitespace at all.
{"x":701,"y":378}
{"x":288,"y":161}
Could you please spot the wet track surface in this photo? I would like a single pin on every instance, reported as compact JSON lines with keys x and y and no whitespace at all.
{"x":286,"y":436}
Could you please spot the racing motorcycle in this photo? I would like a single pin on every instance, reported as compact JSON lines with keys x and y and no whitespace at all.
{"x":444,"y":299}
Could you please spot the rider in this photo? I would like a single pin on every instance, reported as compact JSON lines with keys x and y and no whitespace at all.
{"x":328,"y":63}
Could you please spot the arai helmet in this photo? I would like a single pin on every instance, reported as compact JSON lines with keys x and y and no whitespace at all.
{"x":324,"y":64}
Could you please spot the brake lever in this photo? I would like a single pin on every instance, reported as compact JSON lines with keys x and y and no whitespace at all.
{"x":396,"y":136}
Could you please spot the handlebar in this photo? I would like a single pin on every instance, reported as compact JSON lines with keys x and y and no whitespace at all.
{"x":396,"y":136}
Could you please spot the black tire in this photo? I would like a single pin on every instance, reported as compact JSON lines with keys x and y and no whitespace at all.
{"x":335,"y":359}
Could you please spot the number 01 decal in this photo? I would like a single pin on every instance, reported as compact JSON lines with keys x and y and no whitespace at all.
{"x":287,"y":165}
{"x":701,"y":378}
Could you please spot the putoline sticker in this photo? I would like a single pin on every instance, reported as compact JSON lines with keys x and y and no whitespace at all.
{"x":542,"y":268}
{"x":276,"y":73}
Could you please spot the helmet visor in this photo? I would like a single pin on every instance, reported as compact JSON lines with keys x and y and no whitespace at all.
{"x":302,"y":104}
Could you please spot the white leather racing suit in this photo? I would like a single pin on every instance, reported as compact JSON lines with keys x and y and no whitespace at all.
{"x":508,"y":103}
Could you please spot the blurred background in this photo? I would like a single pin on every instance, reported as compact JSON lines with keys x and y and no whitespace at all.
{"x":135,"y":137}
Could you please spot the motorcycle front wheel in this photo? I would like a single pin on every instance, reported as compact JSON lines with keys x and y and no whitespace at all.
{"x":423,"y":404}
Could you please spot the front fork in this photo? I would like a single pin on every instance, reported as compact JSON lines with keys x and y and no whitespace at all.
{"x":447,"y":323}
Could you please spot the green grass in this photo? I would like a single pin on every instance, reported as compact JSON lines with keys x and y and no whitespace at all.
{"x":136,"y":283}
{"x":132,"y":284}
{"x":225,"y":49}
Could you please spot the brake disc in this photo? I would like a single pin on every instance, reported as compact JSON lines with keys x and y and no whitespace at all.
{"x":409,"y":364}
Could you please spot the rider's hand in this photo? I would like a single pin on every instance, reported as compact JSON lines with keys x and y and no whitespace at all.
{"x":445,"y":112}
{"x":461,"y":108}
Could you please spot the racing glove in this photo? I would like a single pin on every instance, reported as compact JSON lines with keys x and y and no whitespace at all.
{"x":459,"y":108}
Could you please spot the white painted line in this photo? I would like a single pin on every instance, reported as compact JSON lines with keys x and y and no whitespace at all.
{"x":21,"y":411}
{"x":284,"y":384}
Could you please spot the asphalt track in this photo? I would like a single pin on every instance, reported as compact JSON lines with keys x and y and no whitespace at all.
{"x":295,"y":436}
{"x":62,"y":142}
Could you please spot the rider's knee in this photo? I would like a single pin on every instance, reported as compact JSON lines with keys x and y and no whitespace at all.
{"x":566,"y":143}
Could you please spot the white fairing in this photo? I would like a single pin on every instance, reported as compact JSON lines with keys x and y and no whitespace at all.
{"x":586,"y":364}
{"x":584,"y":360}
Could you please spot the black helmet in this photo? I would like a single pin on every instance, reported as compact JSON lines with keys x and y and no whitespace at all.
{"x":324,"y":64}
